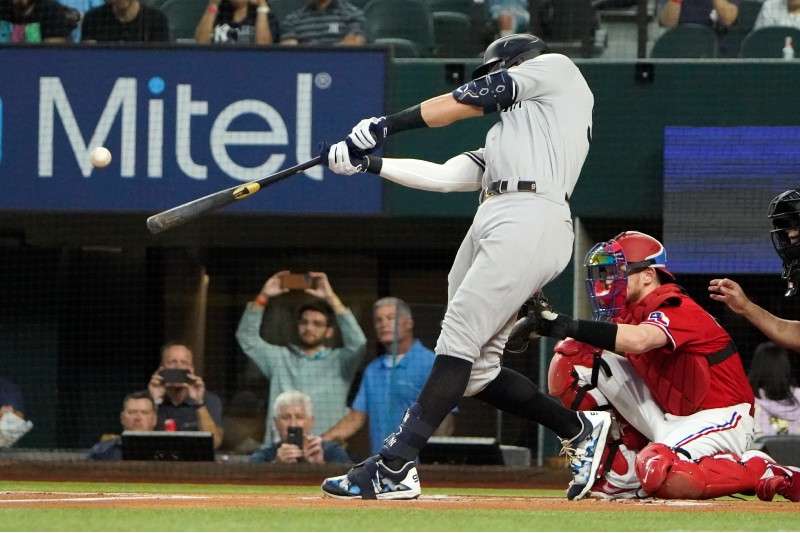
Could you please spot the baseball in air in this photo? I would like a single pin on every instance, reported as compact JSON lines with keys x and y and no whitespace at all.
{"x":100,"y":157}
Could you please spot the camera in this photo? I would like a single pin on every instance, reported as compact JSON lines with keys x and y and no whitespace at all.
{"x":174,"y":376}
{"x":296,"y":281}
{"x":295,"y":436}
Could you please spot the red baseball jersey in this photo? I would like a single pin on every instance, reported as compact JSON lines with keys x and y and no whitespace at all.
{"x":699,"y":368}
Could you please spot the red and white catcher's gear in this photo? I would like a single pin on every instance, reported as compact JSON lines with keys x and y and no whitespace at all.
{"x":665,"y":474}
{"x":783,"y":480}
{"x":563,"y":382}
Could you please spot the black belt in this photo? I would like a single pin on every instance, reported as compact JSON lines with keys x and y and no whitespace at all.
{"x":500,"y":187}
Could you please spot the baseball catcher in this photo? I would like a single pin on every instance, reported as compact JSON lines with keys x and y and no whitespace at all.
{"x":679,"y":381}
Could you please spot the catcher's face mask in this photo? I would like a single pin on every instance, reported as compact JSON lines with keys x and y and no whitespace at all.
{"x":606,"y":279}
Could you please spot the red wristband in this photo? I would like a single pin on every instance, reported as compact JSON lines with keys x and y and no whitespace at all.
{"x":261,"y":300}
{"x":213,"y":9}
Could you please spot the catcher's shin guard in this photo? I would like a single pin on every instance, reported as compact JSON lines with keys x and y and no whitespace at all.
{"x":665,"y":475}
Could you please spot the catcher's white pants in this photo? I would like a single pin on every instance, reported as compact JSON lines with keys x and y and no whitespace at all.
{"x":518,"y":242}
{"x":705,"y":433}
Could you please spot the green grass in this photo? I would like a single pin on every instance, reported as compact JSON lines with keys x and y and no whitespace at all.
{"x":629,"y":517}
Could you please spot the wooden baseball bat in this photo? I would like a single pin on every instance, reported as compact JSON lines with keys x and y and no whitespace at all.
{"x":189,"y":211}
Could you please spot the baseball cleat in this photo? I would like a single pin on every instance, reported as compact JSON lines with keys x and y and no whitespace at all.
{"x":783,"y":480}
{"x":585,"y":451}
{"x":373,"y":480}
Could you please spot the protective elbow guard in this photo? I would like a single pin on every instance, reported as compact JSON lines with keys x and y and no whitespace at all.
{"x":493,"y":92}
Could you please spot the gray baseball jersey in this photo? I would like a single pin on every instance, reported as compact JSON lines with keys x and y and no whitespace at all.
{"x":544,"y":137}
{"x":518,"y":242}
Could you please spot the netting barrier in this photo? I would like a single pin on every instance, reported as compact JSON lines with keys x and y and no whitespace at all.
{"x":688,"y":151}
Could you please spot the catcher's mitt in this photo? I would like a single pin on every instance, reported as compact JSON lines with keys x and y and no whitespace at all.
{"x":536,"y":316}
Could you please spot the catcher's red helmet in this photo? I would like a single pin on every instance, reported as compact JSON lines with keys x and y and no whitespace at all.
{"x":643,"y":251}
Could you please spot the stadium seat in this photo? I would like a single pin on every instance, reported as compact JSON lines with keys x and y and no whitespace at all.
{"x":686,"y":41}
{"x":769,"y":42}
{"x":730,"y":43}
{"x":399,"y":47}
{"x":409,"y":19}
{"x":454,"y":36}
{"x":183,"y":16}
{"x":457,"y":6}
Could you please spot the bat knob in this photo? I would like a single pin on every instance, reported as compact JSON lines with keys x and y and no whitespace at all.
{"x":154,"y":225}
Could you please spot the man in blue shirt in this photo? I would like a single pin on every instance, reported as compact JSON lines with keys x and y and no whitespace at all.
{"x":391,"y":383}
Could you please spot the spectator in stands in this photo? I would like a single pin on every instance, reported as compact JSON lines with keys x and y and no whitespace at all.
{"x":138,"y":414}
{"x":35,"y":21}
{"x":188,"y":403}
{"x":511,"y":16}
{"x":80,"y":8}
{"x":12,"y":414}
{"x":392,"y":382}
{"x":293,"y":409}
{"x":718,"y":13}
{"x":779,"y":13}
{"x":238,"y":22}
{"x":126,"y":21}
{"x":324,"y":23}
{"x":777,"y":400}
{"x":324,"y":373}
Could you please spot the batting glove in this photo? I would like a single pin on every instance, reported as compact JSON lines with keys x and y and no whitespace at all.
{"x":369,"y":134}
{"x":344,"y":160}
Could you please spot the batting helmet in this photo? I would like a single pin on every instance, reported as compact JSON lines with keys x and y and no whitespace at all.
{"x":608,"y":265}
{"x":784,"y":213}
{"x":509,"y":51}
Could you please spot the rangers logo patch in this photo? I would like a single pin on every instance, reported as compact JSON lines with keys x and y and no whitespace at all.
{"x":659,"y":318}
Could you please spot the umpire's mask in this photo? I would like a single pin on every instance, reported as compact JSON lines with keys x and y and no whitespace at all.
{"x":784,"y":214}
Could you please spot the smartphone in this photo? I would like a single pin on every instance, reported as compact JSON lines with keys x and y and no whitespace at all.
{"x":175,"y":375}
{"x":295,"y":281}
{"x":295,"y":436}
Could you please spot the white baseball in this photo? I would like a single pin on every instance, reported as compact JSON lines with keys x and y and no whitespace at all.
{"x":100,"y":157}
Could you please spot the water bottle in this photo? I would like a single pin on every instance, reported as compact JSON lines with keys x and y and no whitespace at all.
{"x":788,"y":49}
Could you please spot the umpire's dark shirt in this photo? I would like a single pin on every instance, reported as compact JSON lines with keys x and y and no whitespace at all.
{"x":185,"y":413}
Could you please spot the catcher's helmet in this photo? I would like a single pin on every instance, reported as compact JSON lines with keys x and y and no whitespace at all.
{"x":784,"y":214}
{"x":509,"y":51}
{"x":608,"y":265}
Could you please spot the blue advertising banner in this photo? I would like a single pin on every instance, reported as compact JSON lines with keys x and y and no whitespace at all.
{"x":718,"y":182}
{"x":182,"y":123}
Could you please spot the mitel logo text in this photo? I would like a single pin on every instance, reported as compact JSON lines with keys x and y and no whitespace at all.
{"x":122,"y":102}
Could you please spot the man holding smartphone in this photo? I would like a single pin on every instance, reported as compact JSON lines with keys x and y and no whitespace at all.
{"x":180,"y":395}
{"x":311,"y":366}
{"x":294,"y":418}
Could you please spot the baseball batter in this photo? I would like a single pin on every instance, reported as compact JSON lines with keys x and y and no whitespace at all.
{"x":520,"y":239}
{"x":681,"y":382}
